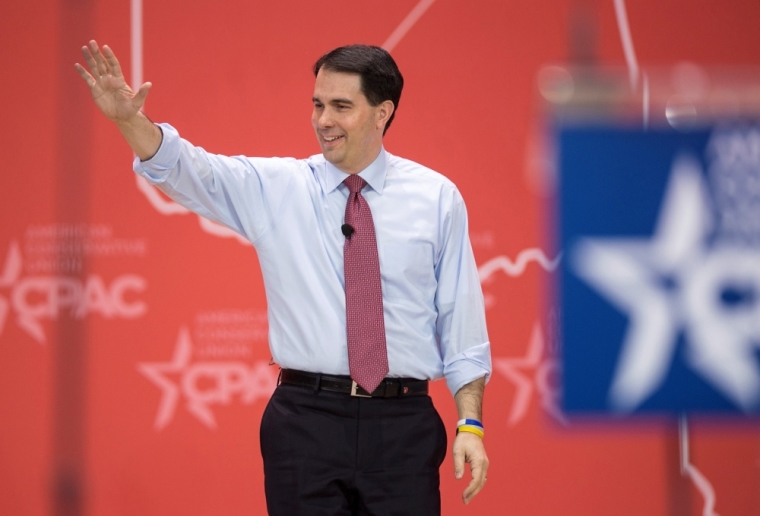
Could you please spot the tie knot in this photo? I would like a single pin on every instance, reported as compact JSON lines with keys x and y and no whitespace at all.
{"x":354,"y":183}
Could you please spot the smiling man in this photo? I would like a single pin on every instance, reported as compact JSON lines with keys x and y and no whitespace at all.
{"x":345,"y":122}
{"x":371,"y":286}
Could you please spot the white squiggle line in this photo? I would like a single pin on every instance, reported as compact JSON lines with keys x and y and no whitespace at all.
{"x":688,"y":469}
{"x":645,"y":100}
{"x":627,"y":41}
{"x":155,"y":199}
{"x":517,"y":267}
{"x":136,"y":43}
{"x":703,"y":486}
{"x":407,"y":24}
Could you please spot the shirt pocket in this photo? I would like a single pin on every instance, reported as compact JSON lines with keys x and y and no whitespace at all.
{"x":407,"y":271}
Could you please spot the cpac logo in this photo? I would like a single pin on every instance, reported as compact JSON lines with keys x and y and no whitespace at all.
{"x":203,"y":384}
{"x":676,"y":283}
{"x":35,"y":298}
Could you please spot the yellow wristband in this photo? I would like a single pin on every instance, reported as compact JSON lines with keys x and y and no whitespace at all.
{"x":471,"y":429}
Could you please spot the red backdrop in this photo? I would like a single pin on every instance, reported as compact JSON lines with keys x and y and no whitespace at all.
{"x":133,"y":351}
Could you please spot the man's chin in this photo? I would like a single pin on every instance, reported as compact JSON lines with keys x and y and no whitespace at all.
{"x":333,"y":157}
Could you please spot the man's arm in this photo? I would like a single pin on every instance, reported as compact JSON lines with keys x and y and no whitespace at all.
{"x":240,"y":193}
{"x":468,"y":447}
{"x":461,"y":327}
{"x":118,"y":102}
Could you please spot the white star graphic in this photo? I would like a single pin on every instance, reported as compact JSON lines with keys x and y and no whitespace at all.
{"x":673,"y":283}
{"x":11,"y":273}
{"x":543,"y":367}
{"x":10,"y":276}
{"x":156,"y":373}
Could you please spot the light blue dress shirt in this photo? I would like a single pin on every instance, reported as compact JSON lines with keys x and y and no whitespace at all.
{"x":292,"y":211}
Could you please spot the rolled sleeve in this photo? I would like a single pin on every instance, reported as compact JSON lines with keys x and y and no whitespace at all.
{"x":468,"y":366}
{"x":158,"y":168}
{"x":461,"y":323}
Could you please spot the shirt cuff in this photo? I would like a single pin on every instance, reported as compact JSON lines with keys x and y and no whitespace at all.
{"x":468,"y":366}
{"x":158,"y":168}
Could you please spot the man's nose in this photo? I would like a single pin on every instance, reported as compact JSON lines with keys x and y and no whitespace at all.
{"x":325,"y":120}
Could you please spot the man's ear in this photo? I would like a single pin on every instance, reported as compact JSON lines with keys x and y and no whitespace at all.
{"x":384,"y":110}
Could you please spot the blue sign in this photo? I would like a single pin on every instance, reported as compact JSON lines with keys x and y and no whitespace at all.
{"x":660,"y":280}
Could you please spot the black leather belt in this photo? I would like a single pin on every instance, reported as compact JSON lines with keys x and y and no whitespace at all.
{"x":388,"y":388}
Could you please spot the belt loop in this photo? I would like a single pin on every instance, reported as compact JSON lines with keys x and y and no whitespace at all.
{"x":279,"y":377}
{"x":400,"y":387}
{"x":317,"y":380}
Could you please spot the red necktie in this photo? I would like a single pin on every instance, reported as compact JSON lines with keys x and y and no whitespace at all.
{"x":365,"y":326}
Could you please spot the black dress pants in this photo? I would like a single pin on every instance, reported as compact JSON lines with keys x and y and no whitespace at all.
{"x":330,"y":454}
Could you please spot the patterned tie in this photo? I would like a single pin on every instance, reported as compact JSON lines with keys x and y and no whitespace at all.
{"x":367,"y":355}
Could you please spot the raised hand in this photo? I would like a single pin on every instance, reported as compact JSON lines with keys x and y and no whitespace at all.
{"x":118,"y":101}
{"x":110,"y":91}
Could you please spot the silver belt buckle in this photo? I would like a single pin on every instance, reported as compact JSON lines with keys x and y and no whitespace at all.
{"x":354,"y":387}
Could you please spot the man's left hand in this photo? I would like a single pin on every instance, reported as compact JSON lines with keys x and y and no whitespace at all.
{"x":469,"y":448}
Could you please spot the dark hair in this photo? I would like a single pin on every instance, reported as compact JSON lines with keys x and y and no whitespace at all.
{"x":380,"y":77}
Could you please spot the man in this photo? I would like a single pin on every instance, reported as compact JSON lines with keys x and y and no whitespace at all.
{"x":371,"y":286}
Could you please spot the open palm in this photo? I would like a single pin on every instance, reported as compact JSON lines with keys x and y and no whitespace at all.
{"x":111,"y":93}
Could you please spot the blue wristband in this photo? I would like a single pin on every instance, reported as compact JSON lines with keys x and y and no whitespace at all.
{"x":472,"y":422}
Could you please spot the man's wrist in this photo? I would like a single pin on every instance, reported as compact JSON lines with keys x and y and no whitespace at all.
{"x":472,"y":426}
{"x":142,"y":135}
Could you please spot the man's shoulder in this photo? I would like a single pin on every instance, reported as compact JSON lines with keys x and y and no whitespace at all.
{"x":278,"y":166}
{"x":317,"y":160}
{"x":414,"y":171}
{"x":276,"y":161}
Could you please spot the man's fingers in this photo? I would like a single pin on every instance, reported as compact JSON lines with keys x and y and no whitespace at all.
{"x":89,"y":79}
{"x":91,"y":62}
{"x":476,"y":484}
{"x":139,"y":99}
{"x":101,"y":62}
{"x":473,"y":488}
{"x":112,"y":61}
{"x":458,"y":454}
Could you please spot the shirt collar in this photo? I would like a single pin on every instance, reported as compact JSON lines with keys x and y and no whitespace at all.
{"x":374,"y":174}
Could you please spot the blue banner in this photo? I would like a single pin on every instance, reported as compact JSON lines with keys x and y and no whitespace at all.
{"x":660,"y":281}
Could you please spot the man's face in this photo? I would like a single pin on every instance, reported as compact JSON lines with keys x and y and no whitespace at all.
{"x":348,"y":128}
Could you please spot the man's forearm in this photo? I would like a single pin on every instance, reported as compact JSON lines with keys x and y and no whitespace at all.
{"x":142,"y":135}
{"x":469,"y":400}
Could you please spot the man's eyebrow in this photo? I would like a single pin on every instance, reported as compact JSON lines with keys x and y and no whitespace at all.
{"x":334,"y":101}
